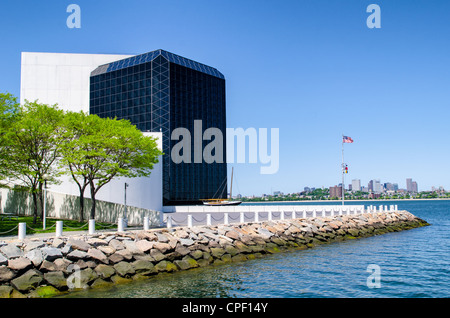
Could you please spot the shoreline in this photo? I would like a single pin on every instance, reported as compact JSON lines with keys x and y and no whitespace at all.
{"x":340,"y":202}
{"x":56,"y":266}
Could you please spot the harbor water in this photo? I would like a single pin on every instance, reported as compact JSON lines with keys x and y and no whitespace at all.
{"x":413,"y":264}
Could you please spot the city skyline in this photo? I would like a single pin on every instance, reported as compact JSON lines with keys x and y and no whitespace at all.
{"x":336,"y":190}
{"x":316,"y":71}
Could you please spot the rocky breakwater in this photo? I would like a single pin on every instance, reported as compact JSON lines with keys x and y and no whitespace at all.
{"x":48,"y":267}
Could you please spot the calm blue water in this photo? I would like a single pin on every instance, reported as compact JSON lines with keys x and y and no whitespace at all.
{"x":413,"y":263}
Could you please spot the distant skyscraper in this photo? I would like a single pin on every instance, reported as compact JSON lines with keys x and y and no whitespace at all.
{"x":370,"y":185}
{"x":356,"y":185}
{"x":409,"y":186}
{"x":414,"y":187}
{"x":377,"y":186}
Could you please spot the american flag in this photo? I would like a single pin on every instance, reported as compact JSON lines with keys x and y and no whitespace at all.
{"x":347,"y":140}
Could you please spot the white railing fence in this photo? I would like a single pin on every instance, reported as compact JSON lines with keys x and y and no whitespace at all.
{"x":244,"y":214}
{"x":191,"y":216}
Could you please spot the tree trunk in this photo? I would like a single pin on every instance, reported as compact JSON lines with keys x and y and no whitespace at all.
{"x":41,"y":201}
{"x":35,"y":203}
{"x":92,"y":217}
{"x":81,"y":216}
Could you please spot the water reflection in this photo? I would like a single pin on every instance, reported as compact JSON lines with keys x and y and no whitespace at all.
{"x":207,"y":282}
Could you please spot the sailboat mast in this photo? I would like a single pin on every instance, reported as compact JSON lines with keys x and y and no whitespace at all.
{"x":231,"y":185}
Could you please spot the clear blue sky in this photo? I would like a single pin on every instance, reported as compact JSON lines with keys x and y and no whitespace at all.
{"x":313,"y":69}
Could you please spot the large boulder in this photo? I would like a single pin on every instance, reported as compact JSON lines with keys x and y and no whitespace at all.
{"x":132,"y":248}
{"x":51,"y":253}
{"x":217,"y":252}
{"x":3,"y":260}
{"x":6,"y":291}
{"x":144,"y":245}
{"x":124,"y":269}
{"x":6,"y":274}
{"x":35,"y":256}
{"x":20,"y":264}
{"x":105,"y":271}
{"x":186,"y":263}
{"x":144,"y":267}
{"x":79,"y":245}
{"x":11,"y":251}
{"x":77,"y":255}
{"x":28,"y":281}
{"x":81,"y":278}
{"x":56,"y":279}
{"x":166,"y":266}
{"x":98,"y":255}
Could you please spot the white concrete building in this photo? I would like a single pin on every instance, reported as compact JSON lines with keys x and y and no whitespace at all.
{"x":356,"y":185}
{"x":60,"y":78}
{"x":377,"y":186}
{"x":63,"y":79}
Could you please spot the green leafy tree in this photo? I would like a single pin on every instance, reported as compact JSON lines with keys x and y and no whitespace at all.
{"x":33,"y":149}
{"x":73,"y":155}
{"x":96,"y":150}
{"x":9,"y":111}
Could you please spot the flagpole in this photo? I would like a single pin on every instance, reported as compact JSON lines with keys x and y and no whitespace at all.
{"x":342,"y":170}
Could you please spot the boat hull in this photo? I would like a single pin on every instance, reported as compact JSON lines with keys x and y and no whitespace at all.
{"x":222,"y":203}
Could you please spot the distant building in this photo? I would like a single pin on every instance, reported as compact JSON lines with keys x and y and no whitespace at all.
{"x":376,"y":186}
{"x":395,"y":186}
{"x":356,"y":185}
{"x":409,"y":184}
{"x":335,"y":191}
{"x":307,"y":189}
{"x":370,"y":186}
{"x":374,"y":195}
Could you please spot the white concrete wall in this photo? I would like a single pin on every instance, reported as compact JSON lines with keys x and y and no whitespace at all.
{"x":66,"y":207}
{"x":145,"y":192}
{"x":60,"y":78}
{"x":63,"y":79}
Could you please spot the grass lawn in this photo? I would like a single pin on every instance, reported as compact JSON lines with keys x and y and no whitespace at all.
{"x":7,"y":225}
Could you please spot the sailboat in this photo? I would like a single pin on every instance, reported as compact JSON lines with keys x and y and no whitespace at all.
{"x":221,"y":202}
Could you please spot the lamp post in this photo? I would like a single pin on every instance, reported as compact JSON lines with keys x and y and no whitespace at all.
{"x":45,"y":176}
{"x":125,"y":220}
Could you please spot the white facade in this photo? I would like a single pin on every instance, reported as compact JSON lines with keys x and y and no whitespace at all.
{"x":356,"y":185}
{"x":60,"y":78}
{"x":63,"y":79}
{"x":377,"y":186}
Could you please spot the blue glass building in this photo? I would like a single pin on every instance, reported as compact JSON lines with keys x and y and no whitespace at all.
{"x":161,"y":91}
